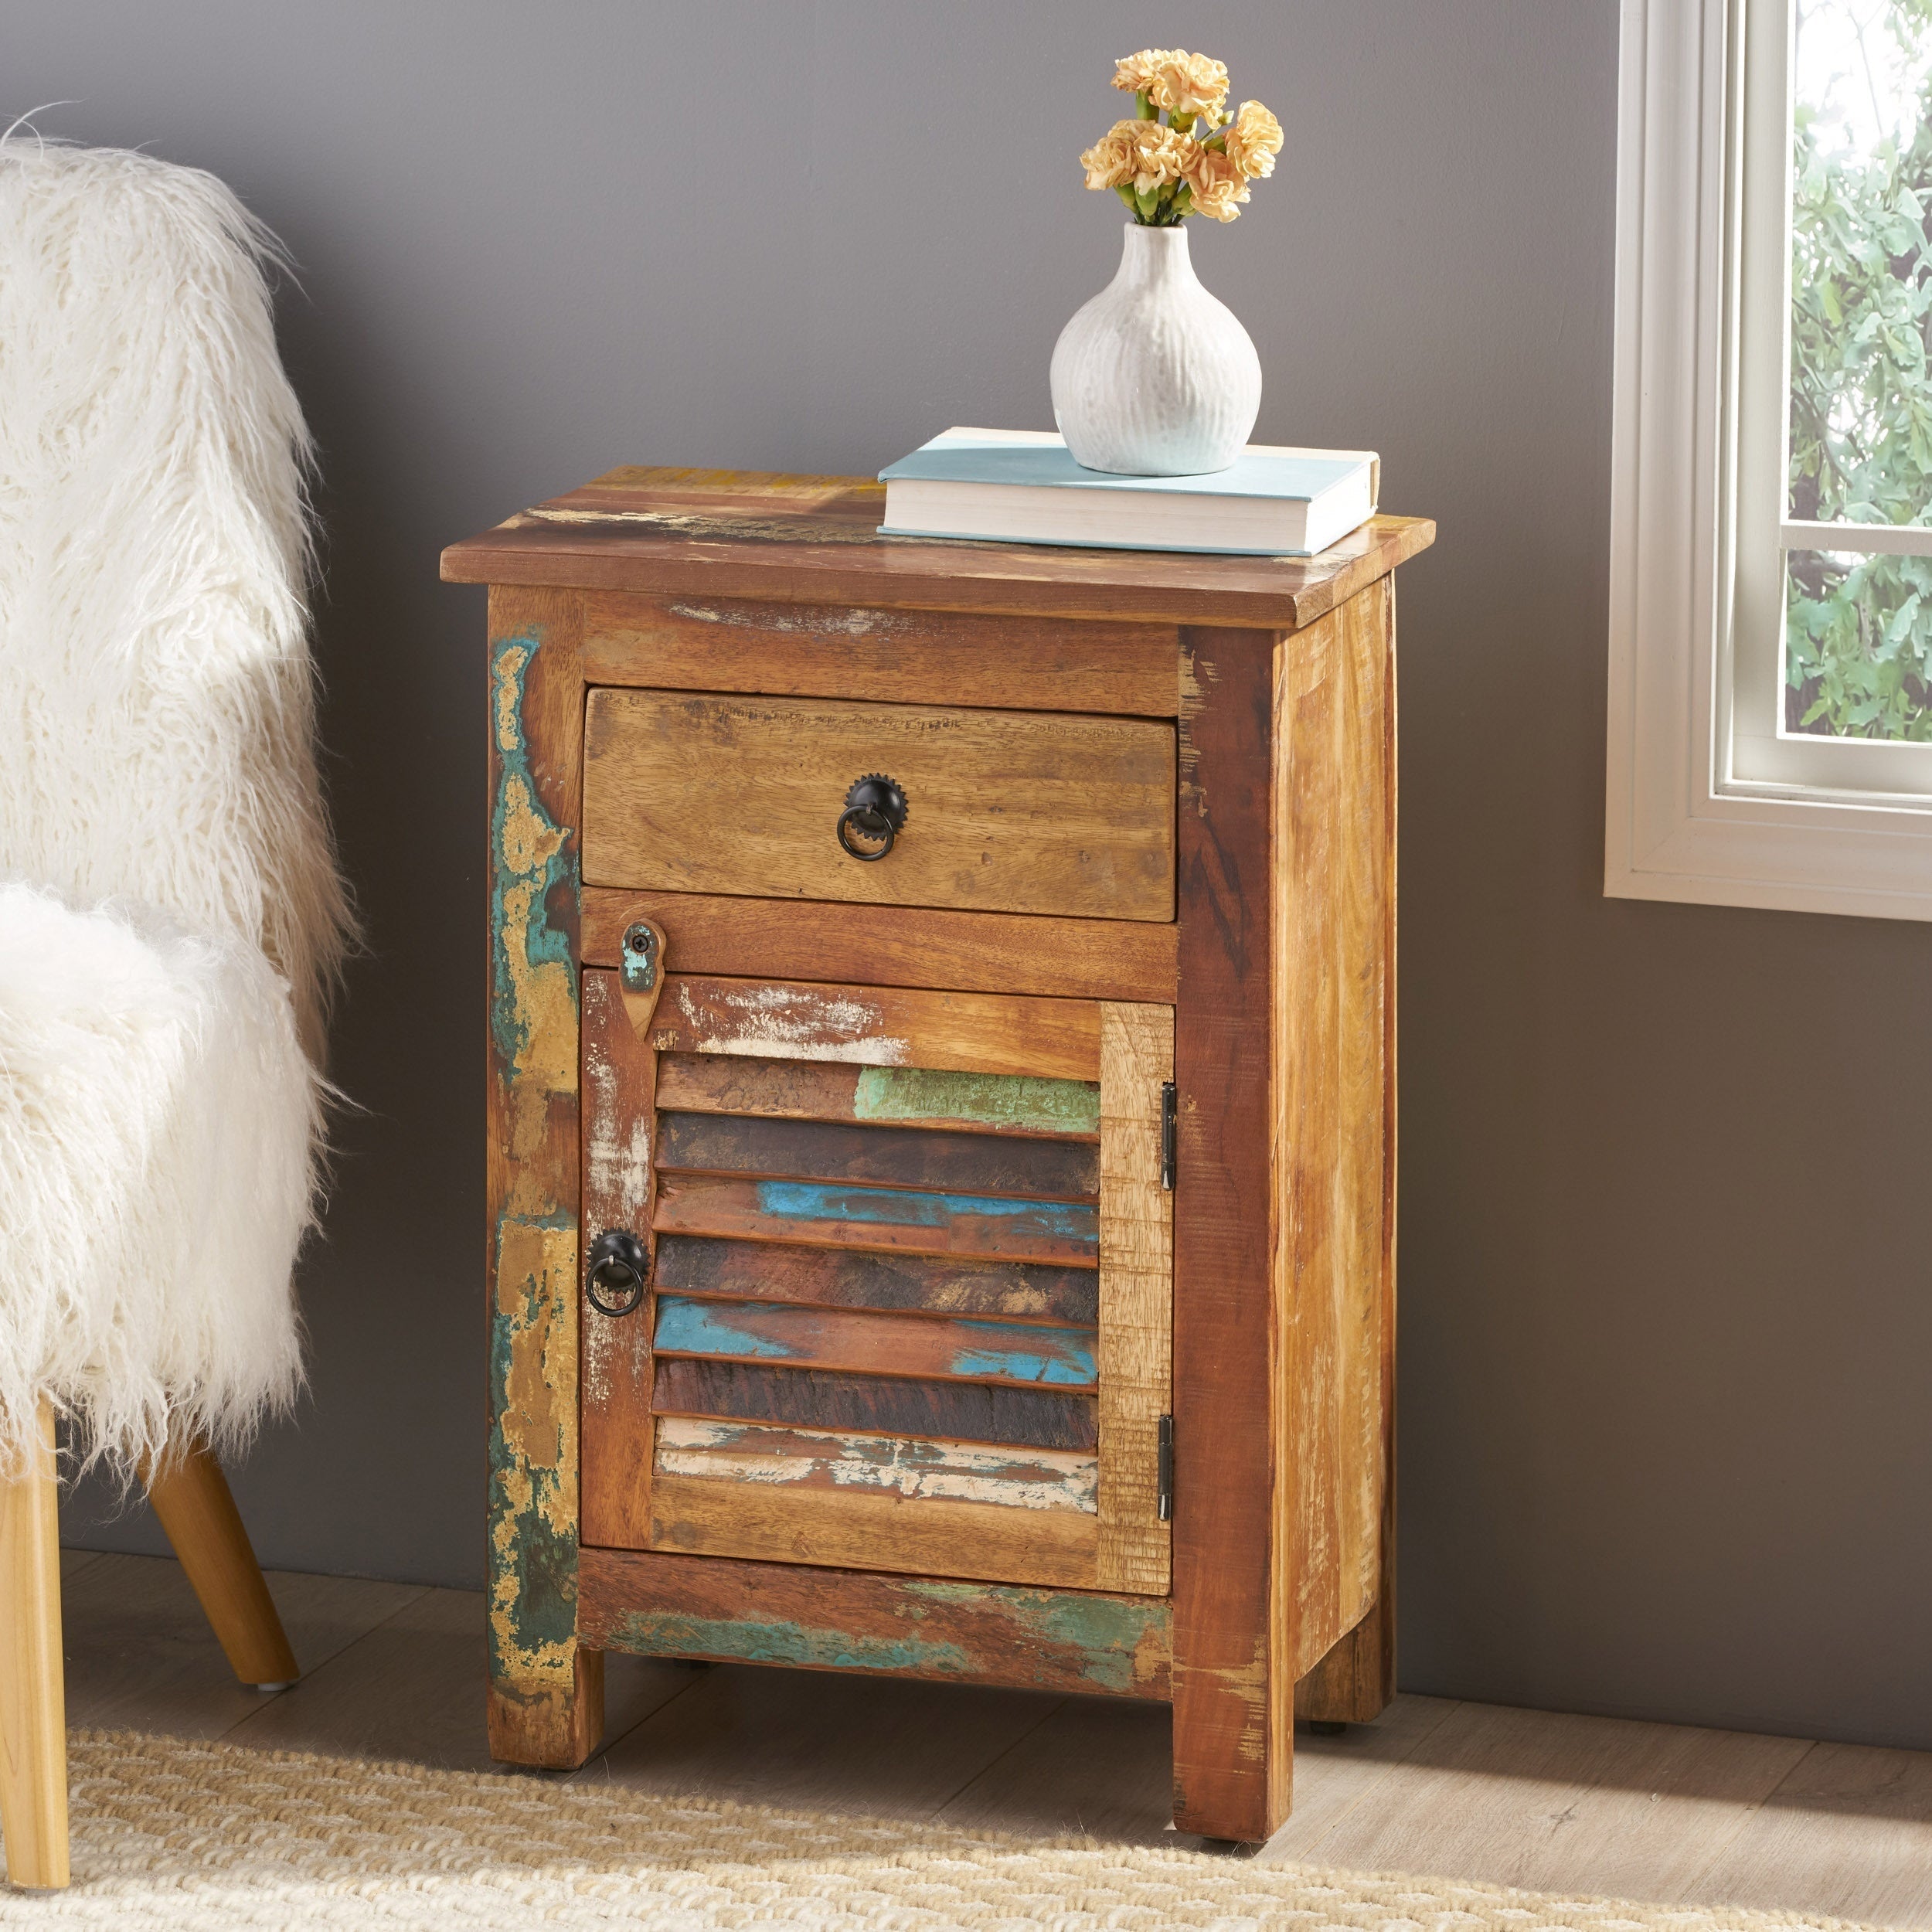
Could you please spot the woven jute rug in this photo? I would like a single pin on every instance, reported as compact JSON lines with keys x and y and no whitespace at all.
{"x":178,"y":1834}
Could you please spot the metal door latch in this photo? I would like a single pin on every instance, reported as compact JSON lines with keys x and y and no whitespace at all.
{"x":640,"y":957}
{"x":1170,"y":1133}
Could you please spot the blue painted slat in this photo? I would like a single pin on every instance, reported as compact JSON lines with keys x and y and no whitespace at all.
{"x":813,"y":1201}
{"x":871,"y":1343}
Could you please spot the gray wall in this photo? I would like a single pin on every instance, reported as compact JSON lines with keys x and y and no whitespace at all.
{"x":1666,"y":1445}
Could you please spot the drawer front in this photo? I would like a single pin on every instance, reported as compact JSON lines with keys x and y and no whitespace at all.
{"x":910,"y":1281}
{"x":1009,"y":812}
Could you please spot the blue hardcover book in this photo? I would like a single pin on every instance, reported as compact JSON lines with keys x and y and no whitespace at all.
{"x":1021,"y":486}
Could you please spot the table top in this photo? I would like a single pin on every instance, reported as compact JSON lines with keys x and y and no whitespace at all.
{"x":815,"y":539}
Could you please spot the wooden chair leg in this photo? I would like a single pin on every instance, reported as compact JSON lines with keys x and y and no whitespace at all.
{"x":33,"y":1702}
{"x":191,"y":1496}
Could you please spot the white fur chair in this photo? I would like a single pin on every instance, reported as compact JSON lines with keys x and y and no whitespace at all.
{"x":170,"y":915}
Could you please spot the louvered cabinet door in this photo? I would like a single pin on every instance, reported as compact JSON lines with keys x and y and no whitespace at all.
{"x":911,"y":1280}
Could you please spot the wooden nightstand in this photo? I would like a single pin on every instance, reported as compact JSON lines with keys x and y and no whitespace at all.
{"x":974,"y":1260}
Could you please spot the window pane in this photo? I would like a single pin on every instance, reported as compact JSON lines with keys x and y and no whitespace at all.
{"x":1861,"y":401}
{"x":1858,"y":645}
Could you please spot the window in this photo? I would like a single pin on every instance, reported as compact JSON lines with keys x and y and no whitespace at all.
{"x":1770,"y":698}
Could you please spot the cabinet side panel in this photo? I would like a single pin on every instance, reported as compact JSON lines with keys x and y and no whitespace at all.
{"x":1355,"y":1678}
{"x":546,"y":1693}
{"x":1231,"y":1752}
{"x":1332,"y":923}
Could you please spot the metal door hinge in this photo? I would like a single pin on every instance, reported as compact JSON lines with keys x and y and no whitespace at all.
{"x":1164,"y":1477}
{"x":1170,"y":1133}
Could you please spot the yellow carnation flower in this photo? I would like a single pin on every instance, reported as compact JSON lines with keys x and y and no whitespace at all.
{"x":1141,"y":154}
{"x":1135,"y":74}
{"x":1217,"y":183}
{"x":1189,"y":83}
{"x":1174,"y":80}
{"x":1254,"y":141}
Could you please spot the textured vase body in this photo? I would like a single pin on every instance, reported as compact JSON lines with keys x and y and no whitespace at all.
{"x":1154,"y":376}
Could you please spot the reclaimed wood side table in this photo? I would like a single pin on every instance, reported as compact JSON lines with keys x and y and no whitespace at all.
{"x":941,"y":1150}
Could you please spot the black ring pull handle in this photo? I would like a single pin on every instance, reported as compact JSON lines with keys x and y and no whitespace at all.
{"x":875,"y":812}
{"x":617,"y":1272}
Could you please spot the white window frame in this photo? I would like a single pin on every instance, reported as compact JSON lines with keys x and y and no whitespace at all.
{"x":1678,"y":823}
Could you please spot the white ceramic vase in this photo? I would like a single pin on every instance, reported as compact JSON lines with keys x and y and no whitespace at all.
{"x":1154,"y":376}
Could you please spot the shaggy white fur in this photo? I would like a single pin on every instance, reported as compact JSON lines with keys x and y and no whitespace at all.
{"x":157,"y":1118}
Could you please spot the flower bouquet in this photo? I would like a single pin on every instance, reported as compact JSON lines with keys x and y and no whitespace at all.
{"x":1154,"y":376}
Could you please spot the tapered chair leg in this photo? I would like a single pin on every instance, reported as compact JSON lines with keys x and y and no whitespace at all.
{"x":191,"y":1496}
{"x":33,"y":1702}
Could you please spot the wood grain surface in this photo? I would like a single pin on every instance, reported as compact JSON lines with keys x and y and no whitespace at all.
{"x":939,"y":1346}
{"x":33,"y":1731}
{"x":1136,"y":1299}
{"x":619,"y":1188}
{"x":945,"y":1162}
{"x":1333,"y":1043}
{"x":910,"y":1096}
{"x":813,"y":1214}
{"x":896,"y":656}
{"x":821,"y":1459}
{"x":857,"y":1529}
{"x":832,"y":1278}
{"x":661,"y":1605}
{"x":1009,"y":812}
{"x":545,"y":1690}
{"x":893,"y":945}
{"x":880,"y":1026}
{"x":193,"y":1502}
{"x":1231,"y":1752}
{"x":713,"y":534}
{"x":880,"y":1405}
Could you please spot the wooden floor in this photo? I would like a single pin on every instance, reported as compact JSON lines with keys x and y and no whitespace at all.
{"x":1650,"y":1811}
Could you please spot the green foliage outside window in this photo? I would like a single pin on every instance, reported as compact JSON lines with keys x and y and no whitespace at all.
{"x":1859,"y":629}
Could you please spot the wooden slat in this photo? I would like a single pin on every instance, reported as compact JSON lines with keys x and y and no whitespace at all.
{"x":911,"y":1096}
{"x":893,"y":945}
{"x":879,"y":1218}
{"x":832,"y":1278}
{"x":1009,"y":811}
{"x":720,"y":533}
{"x":1333,"y":917}
{"x":856,"y":1529}
{"x":950,"y":1163}
{"x":619,"y":1070}
{"x":658,"y":1605}
{"x":906,"y":1466}
{"x":880,"y":1026}
{"x":896,"y":656}
{"x":870,"y":1343}
{"x":877,"y":1405}
{"x":1231,"y":1750}
{"x":1137,"y":1278}
{"x":546,"y":1692}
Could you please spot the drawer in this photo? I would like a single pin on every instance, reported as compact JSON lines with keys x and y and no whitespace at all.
{"x":1007,"y":812}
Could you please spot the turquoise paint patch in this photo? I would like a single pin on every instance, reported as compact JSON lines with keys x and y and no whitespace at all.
{"x":543,"y":1609}
{"x":1014,"y":1351}
{"x":1105,"y":1632}
{"x":813,"y":1201}
{"x":696,"y":1327}
{"x":991,"y":1100}
{"x":543,"y":943}
{"x":648,"y":1634}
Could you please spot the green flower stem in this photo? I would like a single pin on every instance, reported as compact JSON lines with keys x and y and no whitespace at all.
{"x":1145,"y":109}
